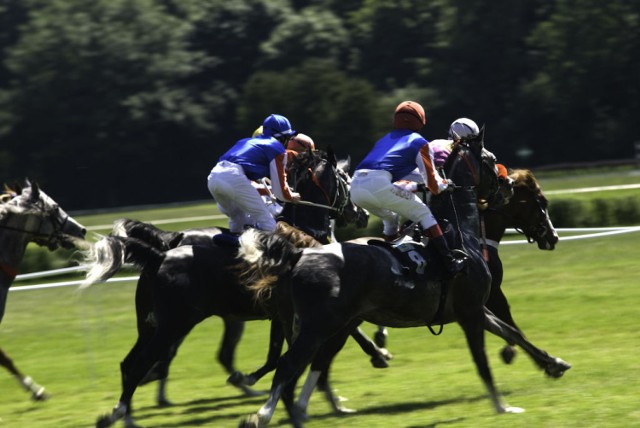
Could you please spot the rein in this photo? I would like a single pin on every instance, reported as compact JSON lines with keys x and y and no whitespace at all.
{"x":451,"y":165}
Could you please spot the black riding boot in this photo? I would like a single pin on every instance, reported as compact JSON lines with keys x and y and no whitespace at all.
{"x":452,"y":264}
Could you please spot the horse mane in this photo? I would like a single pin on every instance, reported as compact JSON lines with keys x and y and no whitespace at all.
{"x":260,"y":274}
{"x":295,"y":236}
{"x":524,"y":177}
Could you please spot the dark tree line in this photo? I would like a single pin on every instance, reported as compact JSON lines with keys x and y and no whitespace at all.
{"x":118,"y":102}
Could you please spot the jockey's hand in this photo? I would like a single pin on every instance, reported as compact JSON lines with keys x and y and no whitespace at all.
{"x":295,"y":197}
{"x":450,"y":186}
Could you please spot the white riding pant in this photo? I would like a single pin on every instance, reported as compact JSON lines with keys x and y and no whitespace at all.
{"x":238,"y":199}
{"x":374,"y":191}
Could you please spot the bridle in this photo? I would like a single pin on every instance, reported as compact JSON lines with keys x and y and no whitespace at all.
{"x":335,"y":204}
{"x":49,"y":227}
{"x":536,"y":232}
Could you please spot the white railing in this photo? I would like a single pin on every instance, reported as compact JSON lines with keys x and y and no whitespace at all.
{"x":589,"y":232}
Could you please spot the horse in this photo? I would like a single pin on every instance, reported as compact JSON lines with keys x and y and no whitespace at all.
{"x":28,"y":214}
{"x":336,"y":287}
{"x":526,"y":211}
{"x":181,"y":287}
{"x":315,"y":219}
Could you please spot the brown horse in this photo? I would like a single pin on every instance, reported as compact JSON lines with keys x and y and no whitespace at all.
{"x":29,"y":215}
{"x":528,"y":213}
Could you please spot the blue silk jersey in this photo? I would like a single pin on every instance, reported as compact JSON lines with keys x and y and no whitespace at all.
{"x":396,"y":153}
{"x":254,"y":155}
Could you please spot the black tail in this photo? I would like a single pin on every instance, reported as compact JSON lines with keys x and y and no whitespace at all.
{"x":146,"y":232}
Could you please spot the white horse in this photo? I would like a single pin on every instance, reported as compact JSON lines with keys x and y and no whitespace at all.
{"x":29,"y":215}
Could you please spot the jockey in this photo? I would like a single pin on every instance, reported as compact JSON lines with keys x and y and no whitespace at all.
{"x":300,"y":143}
{"x":392,"y":158}
{"x":251,"y":159}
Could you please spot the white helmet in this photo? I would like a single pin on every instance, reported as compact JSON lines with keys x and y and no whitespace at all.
{"x":463,"y":129}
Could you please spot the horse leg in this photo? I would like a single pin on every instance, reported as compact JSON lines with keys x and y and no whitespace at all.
{"x":380,"y":337}
{"x":276,"y":340}
{"x":226,"y":355}
{"x":319,"y":374}
{"x":379,"y":356}
{"x":37,"y":392}
{"x":552,"y":366}
{"x":499,"y":305}
{"x":140,"y":360}
{"x":497,"y":302}
{"x":474,"y":332}
{"x":310,"y":336}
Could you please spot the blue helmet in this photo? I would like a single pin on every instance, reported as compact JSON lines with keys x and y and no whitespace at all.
{"x":277,"y":126}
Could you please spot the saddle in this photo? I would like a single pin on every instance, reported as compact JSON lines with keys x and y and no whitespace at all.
{"x":412,"y":256}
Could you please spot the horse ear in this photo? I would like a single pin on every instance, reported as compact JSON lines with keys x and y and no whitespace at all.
{"x":345,"y":164}
{"x":481,"y":135}
{"x":331,"y":156}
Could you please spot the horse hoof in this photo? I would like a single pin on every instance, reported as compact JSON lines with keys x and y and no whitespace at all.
{"x":236,"y":379}
{"x":341,"y":410}
{"x":510,"y":409}
{"x":379,"y":362}
{"x":40,"y":395}
{"x":103,"y":422}
{"x":557,"y":368}
{"x":251,"y":421}
{"x":508,"y":353}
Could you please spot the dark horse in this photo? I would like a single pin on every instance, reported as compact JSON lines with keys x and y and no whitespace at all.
{"x":29,"y":215}
{"x":338,"y":286}
{"x":527,"y":211}
{"x":313,"y":219}
{"x":181,"y":287}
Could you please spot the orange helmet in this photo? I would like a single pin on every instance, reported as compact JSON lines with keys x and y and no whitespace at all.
{"x":409,"y":115}
{"x":300,"y":143}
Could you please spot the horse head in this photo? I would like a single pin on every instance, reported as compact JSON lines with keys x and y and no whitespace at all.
{"x":529,"y":210}
{"x":473,"y":169}
{"x":37,"y":215}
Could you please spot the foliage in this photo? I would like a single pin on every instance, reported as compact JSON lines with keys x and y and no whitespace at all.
{"x":145,"y":95}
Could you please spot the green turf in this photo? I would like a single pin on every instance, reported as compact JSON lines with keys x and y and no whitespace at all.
{"x":578,"y":302}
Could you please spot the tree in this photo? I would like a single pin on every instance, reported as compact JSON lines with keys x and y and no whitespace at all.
{"x":97,"y":88}
{"x":586,"y":89}
{"x":320,"y":101}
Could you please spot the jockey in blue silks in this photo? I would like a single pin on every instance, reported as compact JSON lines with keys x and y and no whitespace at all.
{"x":251,"y":159}
{"x":392,"y":158}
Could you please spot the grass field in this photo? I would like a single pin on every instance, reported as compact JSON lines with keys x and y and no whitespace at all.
{"x":578,"y":302}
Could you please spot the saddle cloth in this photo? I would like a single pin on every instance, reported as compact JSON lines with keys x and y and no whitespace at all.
{"x":411,"y":255}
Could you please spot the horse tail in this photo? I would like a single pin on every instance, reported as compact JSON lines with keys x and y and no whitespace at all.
{"x":265,"y":257}
{"x":146,"y":232}
{"x":107,"y":256}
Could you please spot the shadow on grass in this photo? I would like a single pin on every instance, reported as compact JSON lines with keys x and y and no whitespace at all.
{"x":205,"y":411}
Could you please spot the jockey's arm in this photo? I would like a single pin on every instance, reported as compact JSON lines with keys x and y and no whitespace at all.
{"x":435,"y":183}
{"x":278,"y":177}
